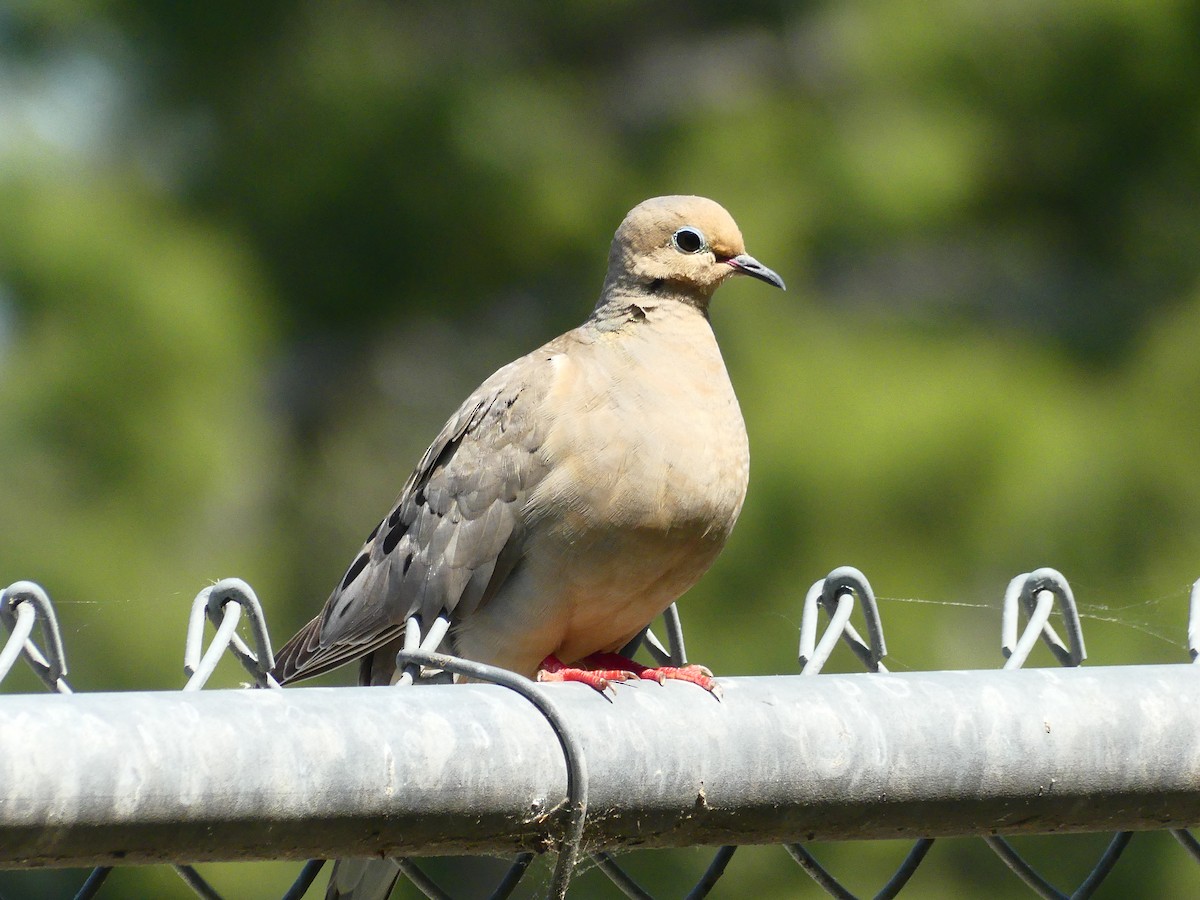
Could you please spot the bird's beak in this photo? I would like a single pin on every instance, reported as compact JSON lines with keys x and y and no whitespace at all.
{"x":745,"y":264}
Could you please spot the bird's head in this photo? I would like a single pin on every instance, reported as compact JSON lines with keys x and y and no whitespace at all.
{"x":687,"y":245}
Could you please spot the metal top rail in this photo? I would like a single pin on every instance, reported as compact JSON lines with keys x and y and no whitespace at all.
{"x":156,"y":777}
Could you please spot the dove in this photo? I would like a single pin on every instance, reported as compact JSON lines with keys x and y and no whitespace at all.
{"x":577,"y":493}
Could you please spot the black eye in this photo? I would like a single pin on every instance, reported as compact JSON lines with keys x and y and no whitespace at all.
{"x":688,"y":240}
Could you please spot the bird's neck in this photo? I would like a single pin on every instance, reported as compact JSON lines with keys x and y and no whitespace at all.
{"x":626,"y":300}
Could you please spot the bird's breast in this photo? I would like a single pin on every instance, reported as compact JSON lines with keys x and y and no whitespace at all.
{"x":648,"y":437}
{"x":646,"y":465}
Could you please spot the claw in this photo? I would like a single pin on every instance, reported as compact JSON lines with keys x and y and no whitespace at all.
{"x":554,"y":669}
{"x":695,"y":674}
{"x":698,"y":675}
{"x":620,"y":669}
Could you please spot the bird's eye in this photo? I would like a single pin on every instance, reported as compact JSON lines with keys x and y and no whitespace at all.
{"x":688,"y":240}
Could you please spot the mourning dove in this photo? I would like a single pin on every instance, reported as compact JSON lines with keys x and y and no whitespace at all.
{"x":578,"y":491}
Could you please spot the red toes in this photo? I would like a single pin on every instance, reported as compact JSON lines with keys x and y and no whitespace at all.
{"x":698,"y":675}
{"x":554,"y":669}
{"x":600,"y":670}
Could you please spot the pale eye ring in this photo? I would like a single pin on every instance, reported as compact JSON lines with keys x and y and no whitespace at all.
{"x":689,"y":240}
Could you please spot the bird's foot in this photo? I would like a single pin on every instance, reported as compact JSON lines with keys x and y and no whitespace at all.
{"x":698,"y":675}
{"x":600,"y":679}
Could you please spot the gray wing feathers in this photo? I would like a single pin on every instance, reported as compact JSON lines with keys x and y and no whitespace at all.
{"x":453,"y":535}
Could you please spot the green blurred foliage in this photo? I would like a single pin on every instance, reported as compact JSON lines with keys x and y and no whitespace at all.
{"x":252,"y":256}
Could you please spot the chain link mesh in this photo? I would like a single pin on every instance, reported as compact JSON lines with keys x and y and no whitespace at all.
{"x":25,"y":608}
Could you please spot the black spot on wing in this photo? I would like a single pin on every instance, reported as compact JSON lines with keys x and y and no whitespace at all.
{"x":355,"y":570}
{"x":447,"y":453}
{"x":393,"y":538}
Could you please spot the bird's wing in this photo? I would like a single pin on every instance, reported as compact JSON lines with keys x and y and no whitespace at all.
{"x":455,"y":532}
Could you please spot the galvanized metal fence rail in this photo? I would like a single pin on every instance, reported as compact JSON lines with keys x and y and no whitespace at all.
{"x":522,"y":768}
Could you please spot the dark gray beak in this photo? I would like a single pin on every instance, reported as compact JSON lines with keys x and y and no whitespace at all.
{"x":745,"y":264}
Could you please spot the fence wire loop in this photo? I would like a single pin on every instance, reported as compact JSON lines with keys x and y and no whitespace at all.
{"x":22,"y":605}
{"x":1037,"y":591}
{"x":836,"y":593}
{"x":427,"y":642}
{"x":672,"y":653}
{"x":576,"y":761}
{"x":223,"y":604}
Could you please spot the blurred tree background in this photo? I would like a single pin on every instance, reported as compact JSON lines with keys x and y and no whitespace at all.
{"x":252,"y":255}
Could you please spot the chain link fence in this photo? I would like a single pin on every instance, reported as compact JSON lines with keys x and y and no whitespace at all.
{"x":268,"y":774}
